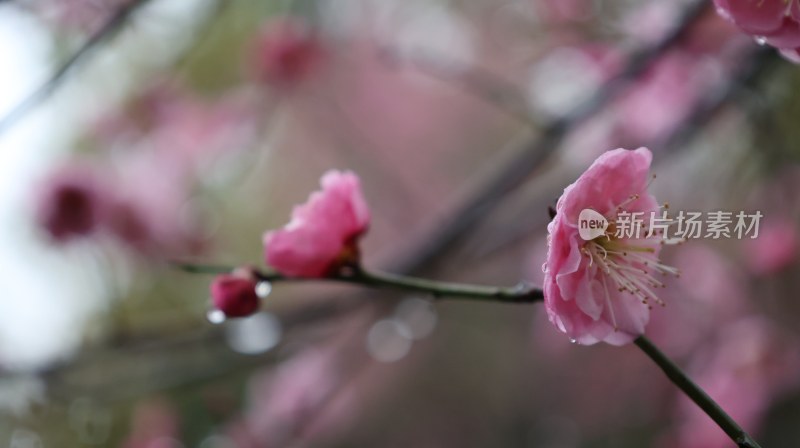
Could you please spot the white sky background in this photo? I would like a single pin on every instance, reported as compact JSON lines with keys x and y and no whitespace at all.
{"x":43,"y":301}
{"x":47,"y":295}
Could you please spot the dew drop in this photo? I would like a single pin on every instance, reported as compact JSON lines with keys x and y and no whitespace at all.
{"x":215,"y":316}
{"x":544,"y":267}
{"x":574,"y":341}
{"x":263,"y":289}
{"x":760,"y":40}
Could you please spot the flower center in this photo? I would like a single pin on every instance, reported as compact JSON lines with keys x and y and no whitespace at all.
{"x":630,"y":263}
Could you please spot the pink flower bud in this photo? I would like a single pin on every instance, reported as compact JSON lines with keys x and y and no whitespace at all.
{"x":234,"y":295}
{"x":286,"y":52}
{"x":323,"y":232}
{"x":70,"y":203}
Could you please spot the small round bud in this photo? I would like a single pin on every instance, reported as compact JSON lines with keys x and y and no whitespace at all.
{"x":234,"y":295}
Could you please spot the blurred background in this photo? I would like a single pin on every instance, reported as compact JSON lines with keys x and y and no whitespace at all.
{"x":198,"y":124}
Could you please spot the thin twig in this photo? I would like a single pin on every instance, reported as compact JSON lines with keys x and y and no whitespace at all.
{"x":521,"y":293}
{"x":473,"y":80}
{"x":696,"y":394}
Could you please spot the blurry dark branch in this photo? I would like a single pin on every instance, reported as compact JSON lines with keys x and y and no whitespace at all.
{"x":534,"y":154}
{"x":752,"y":70}
{"x":473,"y":80}
{"x":107,"y":32}
{"x":355,"y":275}
{"x":146,"y":364}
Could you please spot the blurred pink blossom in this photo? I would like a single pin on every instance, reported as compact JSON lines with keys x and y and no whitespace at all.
{"x":599,"y":290}
{"x":710,"y":278}
{"x":143,"y":204}
{"x":235,"y":295}
{"x":71,"y":202}
{"x":662,"y":97}
{"x":286,"y":52}
{"x":179,"y":125}
{"x":158,"y":148}
{"x":776,"y":22}
{"x":198,"y":132}
{"x":150,"y":208}
{"x":323,"y":232}
{"x":774,"y":249}
{"x":281,"y":402}
{"x":710,"y":291}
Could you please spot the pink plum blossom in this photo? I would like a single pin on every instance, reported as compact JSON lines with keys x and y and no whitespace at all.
{"x":235,"y":295}
{"x":286,"y":52}
{"x":179,"y":125}
{"x":776,"y":22}
{"x":163,"y":144}
{"x":774,"y":249}
{"x":142,"y":204}
{"x":601,"y":289}
{"x":150,"y":206}
{"x":71,"y":202}
{"x":323,"y":232}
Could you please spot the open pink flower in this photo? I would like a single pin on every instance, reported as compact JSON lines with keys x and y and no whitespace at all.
{"x":323,"y":232}
{"x":777,"y":22}
{"x":600,"y":289}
